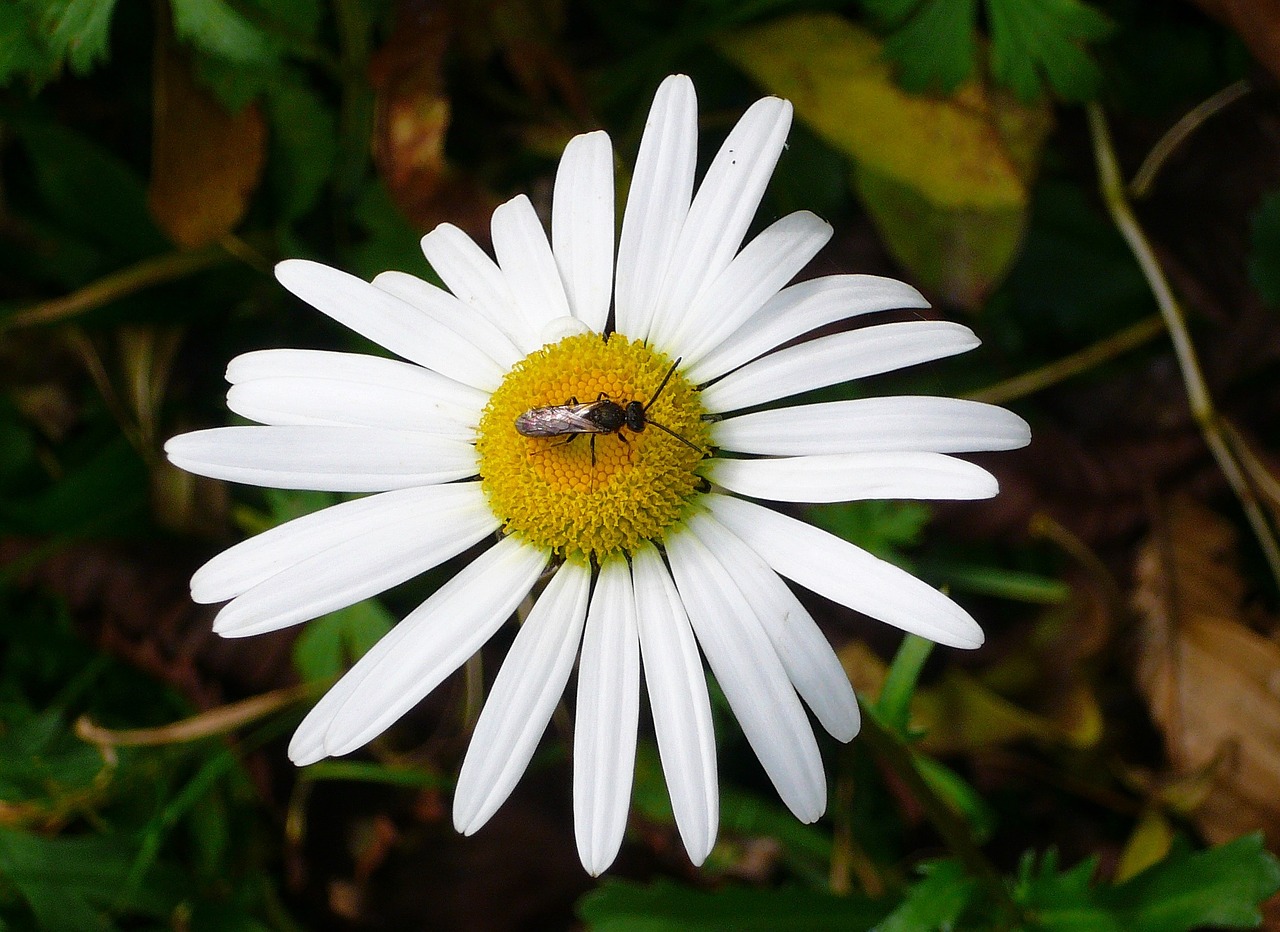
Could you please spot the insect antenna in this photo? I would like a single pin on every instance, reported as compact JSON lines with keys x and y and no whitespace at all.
{"x":661,"y":385}
{"x":668,"y":430}
{"x":662,"y":427}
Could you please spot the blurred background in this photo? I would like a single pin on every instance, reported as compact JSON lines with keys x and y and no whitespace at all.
{"x":1092,"y":185}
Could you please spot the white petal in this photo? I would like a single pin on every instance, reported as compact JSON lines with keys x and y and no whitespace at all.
{"x":747,"y":668}
{"x":838,"y":570}
{"x":806,"y":655}
{"x":357,"y":369}
{"x":476,"y":281}
{"x":678,"y":698}
{"x":474,"y":328}
{"x":657,"y":203}
{"x":523,"y":696}
{"x":753,"y":277}
{"x":386,"y":320}
{"x":326,"y":459}
{"x":582,"y":226}
{"x":527,"y":263}
{"x":799,"y":309}
{"x":835,"y":359}
{"x":553,"y":331}
{"x":723,"y":207}
{"x":905,"y":422}
{"x":417,"y":654}
{"x":334,"y":403}
{"x":422,"y":535}
{"x":849,"y":477}
{"x":253,"y":561}
{"x":608,"y":708}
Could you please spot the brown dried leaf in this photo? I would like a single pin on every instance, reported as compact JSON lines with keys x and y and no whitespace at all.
{"x":205,"y":162}
{"x":411,"y":120}
{"x":1212,"y":684}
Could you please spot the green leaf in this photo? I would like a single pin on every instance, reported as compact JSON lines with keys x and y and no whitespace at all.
{"x":1264,"y":249}
{"x":70,"y":883}
{"x":367,"y":772}
{"x":946,"y":180}
{"x":390,"y":241}
{"x":935,"y":902}
{"x":37,"y":37}
{"x":807,"y":847}
{"x":625,"y":907}
{"x":884,"y":528}
{"x":1015,"y":585}
{"x":893,"y":708}
{"x":304,"y":141}
{"x":90,"y":191}
{"x":1076,"y":281}
{"x":41,"y":761}
{"x":329,"y":645}
{"x":75,"y":30}
{"x":1044,"y":40}
{"x":282,"y":505}
{"x":1062,"y":902}
{"x":936,"y":48}
{"x":214,"y":27}
{"x":960,"y":794}
{"x":21,"y":51}
{"x":107,"y":492}
{"x":1222,"y":887}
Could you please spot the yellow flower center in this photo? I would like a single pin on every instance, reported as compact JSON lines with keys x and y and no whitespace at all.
{"x":549,"y":491}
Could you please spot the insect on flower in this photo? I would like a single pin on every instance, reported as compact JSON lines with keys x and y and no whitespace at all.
{"x":602,"y":416}
{"x":660,"y":560}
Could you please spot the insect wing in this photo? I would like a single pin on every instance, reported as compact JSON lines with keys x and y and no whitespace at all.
{"x":558,"y":420}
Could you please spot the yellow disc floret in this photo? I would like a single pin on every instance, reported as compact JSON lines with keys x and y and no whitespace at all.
{"x":549,"y":491}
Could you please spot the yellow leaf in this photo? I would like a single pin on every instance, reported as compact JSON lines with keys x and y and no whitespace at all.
{"x":1148,"y":845}
{"x":946,"y":179}
{"x":961,"y":713}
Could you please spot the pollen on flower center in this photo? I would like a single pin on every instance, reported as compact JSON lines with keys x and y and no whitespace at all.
{"x":547,"y":489}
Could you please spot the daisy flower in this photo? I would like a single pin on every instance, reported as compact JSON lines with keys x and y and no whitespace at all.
{"x":640,"y":540}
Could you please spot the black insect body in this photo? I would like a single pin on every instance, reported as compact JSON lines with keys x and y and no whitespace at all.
{"x":602,"y":416}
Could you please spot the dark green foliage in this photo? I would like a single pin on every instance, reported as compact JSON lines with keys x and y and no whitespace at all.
{"x":1034,"y":44}
{"x":39,"y":37}
{"x":1264,"y":257}
{"x":616,"y":907}
{"x":107,"y":839}
{"x":1219,"y":888}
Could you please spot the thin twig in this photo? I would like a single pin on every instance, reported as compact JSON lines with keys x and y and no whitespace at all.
{"x":1145,"y":177}
{"x":1263,"y":479}
{"x":145,"y":274}
{"x":1019,"y":386}
{"x":215,"y":721}
{"x":1202,"y":408}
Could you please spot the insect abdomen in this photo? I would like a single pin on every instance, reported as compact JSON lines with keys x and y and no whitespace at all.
{"x":558,"y":420}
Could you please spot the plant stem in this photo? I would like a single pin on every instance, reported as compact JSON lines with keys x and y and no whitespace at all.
{"x":1202,"y":408}
{"x":1019,"y":386}
{"x":1145,"y":177}
{"x":215,"y":721}
{"x":145,"y":274}
{"x":954,"y":831}
{"x":354,"y":114}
